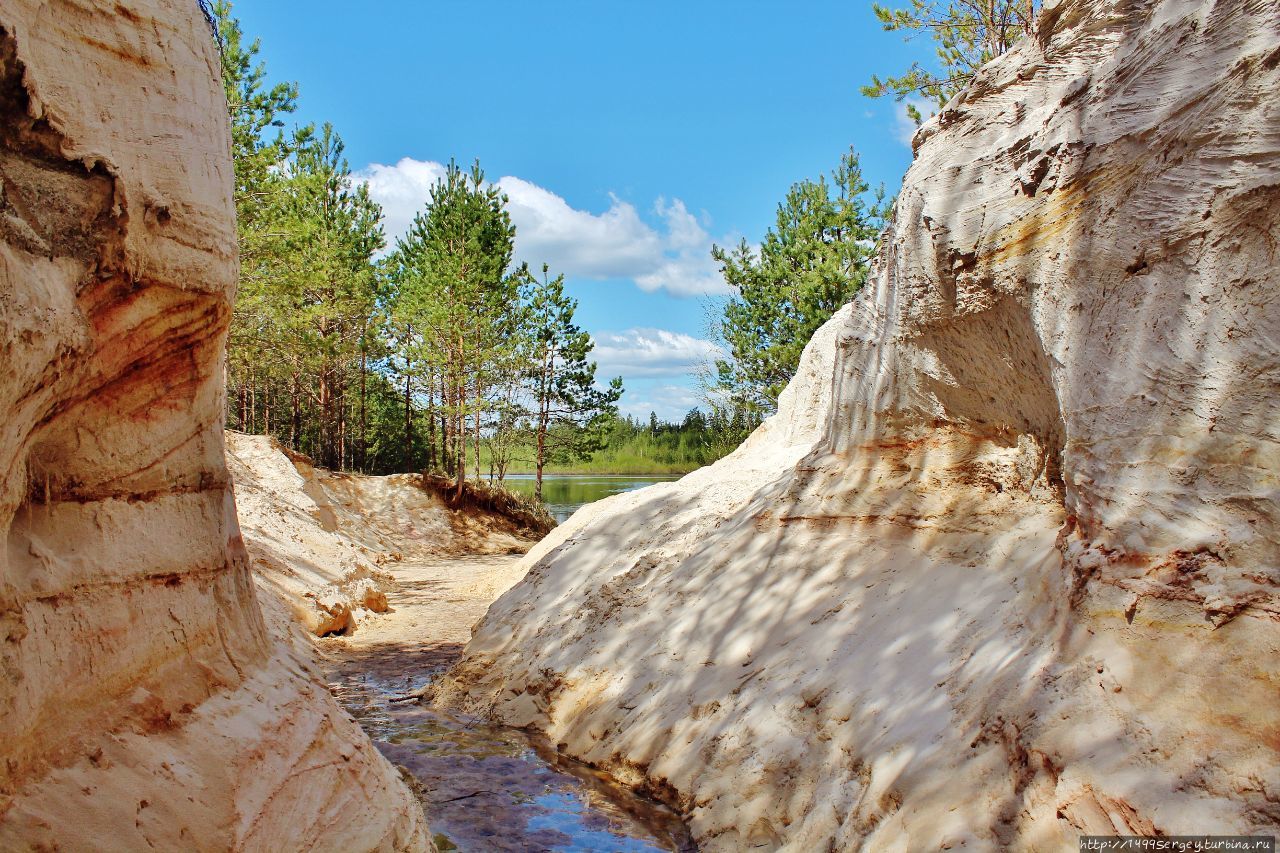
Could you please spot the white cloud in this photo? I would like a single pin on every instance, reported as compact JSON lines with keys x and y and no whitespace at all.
{"x":683,"y":229}
{"x":904,"y":126}
{"x":401,"y":189}
{"x":670,"y":402}
{"x":616,"y":243}
{"x":686,"y":267}
{"x":651,"y":352}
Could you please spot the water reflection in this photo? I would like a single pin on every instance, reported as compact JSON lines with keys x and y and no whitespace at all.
{"x":564,"y":493}
{"x":492,"y":788}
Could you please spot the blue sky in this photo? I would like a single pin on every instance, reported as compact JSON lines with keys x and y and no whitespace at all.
{"x":628,"y":136}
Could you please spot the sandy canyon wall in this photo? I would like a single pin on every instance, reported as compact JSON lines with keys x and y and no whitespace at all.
{"x":142,"y":701}
{"x":1003,"y":569}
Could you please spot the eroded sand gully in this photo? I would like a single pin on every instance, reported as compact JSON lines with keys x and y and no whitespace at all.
{"x":399,"y":578}
{"x":483,"y":787}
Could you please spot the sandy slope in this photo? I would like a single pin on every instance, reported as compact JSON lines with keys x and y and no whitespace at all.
{"x":330,"y":547}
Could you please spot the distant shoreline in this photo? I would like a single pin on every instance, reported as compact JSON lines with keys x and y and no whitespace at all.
{"x":581,"y":473}
{"x":629,"y":474}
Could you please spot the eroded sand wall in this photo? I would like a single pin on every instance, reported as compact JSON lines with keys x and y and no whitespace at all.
{"x":142,"y":700}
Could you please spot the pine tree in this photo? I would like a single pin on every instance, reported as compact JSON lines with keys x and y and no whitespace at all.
{"x":259,"y":147}
{"x":810,"y":263}
{"x":455,"y":291}
{"x":570,"y":414}
{"x":334,"y":230}
{"x":306,"y":329}
{"x":258,"y":143}
{"x":967,"y":35}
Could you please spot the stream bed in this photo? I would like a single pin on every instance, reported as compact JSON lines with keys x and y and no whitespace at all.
{"x":491,"y":789}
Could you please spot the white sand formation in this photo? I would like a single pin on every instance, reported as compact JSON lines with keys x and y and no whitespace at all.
{"x":321,"y":542}
{"x":1003,"y":568}
{"x":143,"y":702}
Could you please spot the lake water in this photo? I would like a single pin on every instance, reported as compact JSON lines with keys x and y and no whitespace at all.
{"x":564,"y":493}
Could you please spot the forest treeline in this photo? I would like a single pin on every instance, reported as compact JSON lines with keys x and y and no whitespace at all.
{"x":651,"y":445}
{"x":439,"y":353}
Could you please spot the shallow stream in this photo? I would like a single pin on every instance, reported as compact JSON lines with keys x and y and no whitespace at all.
{"x":489,"y":788}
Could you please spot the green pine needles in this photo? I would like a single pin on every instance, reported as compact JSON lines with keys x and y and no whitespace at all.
{"x":966,"y":33}
{"x":811,"y":262}
{"x":816,"y":256}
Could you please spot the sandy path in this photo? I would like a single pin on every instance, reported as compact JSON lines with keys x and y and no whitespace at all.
{"x":434,"y":604}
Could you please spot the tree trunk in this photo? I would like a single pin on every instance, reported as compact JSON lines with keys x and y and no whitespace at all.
{"x":408,"y":423}
{"x":994,"y":34}
{"x":477,"y":431}
{"x":363,"y":446}
{"x":295,"y":427}
{"x":537,"y":483}
{"x":324,"y":403}
{"x":541,"y":452}
{"x":446,"y":426}
{"x":341,"y":405}
{"x":459,"y":424}
{"x":544,"y":418}
{"x":459,"y":454}
{"x":431,"y":423}
{"x":459,"y":448}
{"x":445,"y":464}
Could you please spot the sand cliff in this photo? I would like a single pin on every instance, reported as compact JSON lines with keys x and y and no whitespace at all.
{"x":324,"y":544}
{"x":1003,"y":568}
{"x":143,"y":701}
